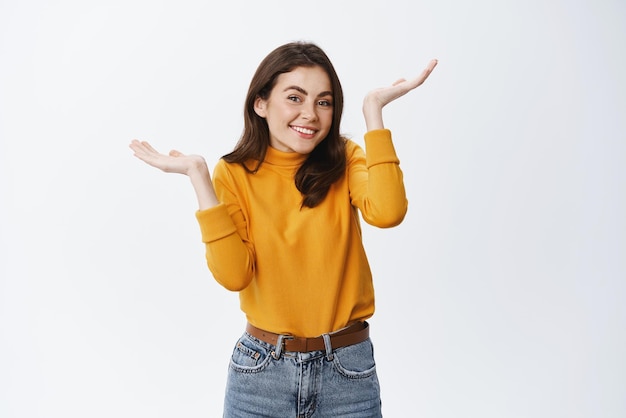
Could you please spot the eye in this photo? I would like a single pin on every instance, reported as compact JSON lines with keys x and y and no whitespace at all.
{"x":294,"y":98}
{"x":325,"y":103}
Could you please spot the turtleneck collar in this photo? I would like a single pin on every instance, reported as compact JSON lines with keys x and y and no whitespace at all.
{"x":285,"y":159}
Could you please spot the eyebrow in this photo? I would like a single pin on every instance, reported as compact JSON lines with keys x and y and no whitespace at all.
{"x":303,"y":91}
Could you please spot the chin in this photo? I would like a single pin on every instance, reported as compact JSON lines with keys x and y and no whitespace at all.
{"x":302,"y":148}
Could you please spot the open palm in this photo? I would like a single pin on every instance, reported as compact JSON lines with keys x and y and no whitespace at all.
{"x":174,"y":162}
{"x":385,"y":95}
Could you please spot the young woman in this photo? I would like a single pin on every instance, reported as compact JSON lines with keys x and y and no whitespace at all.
{"x":280,"y":221}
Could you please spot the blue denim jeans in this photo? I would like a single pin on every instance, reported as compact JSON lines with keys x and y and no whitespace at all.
{"x":265,"y":382}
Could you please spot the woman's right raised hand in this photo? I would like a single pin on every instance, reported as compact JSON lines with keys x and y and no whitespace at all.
{"x":193,"y":166}
{"x":174,"y":162}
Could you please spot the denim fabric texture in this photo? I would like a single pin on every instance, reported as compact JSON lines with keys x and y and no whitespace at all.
{"x":265,"y":382}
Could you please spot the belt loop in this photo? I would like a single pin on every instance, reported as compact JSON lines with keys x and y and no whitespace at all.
{"x":329,"y":348}
{"x":278,"y":350}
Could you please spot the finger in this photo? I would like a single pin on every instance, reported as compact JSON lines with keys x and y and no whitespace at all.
{"x":429,"y":69}
{"x":137,"y":147}
{"x":432,"y":64}
{"x":133,"y":144}
{"x":148,"y":147}
{"x":419,"y":80}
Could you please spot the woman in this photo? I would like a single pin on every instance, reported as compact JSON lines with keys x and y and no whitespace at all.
{"x":280,"y":223}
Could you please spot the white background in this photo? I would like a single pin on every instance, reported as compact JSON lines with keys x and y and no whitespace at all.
{"x":502,"y":293}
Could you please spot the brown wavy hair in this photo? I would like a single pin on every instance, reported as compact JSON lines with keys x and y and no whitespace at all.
{"x":327,"y":162}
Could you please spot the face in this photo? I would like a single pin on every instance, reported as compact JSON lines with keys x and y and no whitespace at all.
{"x":299,"y":110}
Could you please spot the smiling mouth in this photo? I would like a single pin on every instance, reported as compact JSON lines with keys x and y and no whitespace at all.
{"x":304,"y":131}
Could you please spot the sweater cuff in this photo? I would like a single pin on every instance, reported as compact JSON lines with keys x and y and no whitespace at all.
{"x":215,"y":223}
{"x":379,"y":148}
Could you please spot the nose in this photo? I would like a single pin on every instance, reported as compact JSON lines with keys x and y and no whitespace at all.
{"x":309,"y":113}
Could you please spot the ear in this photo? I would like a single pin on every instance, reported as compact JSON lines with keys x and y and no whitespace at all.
{"x":260,"y":106}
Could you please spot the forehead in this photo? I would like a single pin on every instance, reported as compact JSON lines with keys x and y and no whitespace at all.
{"x":311,"y":79}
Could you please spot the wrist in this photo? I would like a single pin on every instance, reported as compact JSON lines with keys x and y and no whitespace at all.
{"x":373,"y":113}
{"x":201,"y":181}
{"x":198,"y":168}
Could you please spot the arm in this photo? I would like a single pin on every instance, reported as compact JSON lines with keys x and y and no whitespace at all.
{"x":376,"y":99}
{"x":376,"y":181}
{"x":229,"y":251}
{"x":228,"y":256}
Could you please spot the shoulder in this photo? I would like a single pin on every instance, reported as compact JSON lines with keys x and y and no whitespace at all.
{"x":222,"y":167}
{"x":225,"y":171}
{"x":236,"y":168}
{"x":354,"y":151}
{"x":352,"y":147}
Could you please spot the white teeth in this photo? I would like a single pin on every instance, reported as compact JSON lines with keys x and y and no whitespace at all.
{"x":303,"y":130}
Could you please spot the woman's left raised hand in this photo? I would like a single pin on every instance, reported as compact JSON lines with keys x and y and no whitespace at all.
{"x":378,"y":98}
{"x":386,"y":95}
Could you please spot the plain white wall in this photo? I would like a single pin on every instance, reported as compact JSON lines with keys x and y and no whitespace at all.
{"x":501,"y":295}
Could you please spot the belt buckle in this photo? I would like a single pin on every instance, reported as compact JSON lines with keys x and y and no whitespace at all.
{"x":282,"y":346}
{"x":286,"y":338}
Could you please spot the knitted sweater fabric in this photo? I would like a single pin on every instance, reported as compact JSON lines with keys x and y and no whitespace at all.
{"x":298,"y":270}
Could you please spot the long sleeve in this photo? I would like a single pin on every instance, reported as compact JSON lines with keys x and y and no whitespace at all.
{"x":376,"y":181}
{"x":229,"y":254}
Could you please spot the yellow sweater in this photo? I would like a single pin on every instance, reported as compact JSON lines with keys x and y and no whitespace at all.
{"x":302,"y":271}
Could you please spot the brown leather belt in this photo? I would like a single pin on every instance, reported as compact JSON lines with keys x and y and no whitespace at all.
{"x":354,"y":334}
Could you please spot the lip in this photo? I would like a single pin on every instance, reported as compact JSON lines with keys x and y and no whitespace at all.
{"x":304,"y":131}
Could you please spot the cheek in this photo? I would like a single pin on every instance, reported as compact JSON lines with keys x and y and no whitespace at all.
{"x":327,"y":119}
